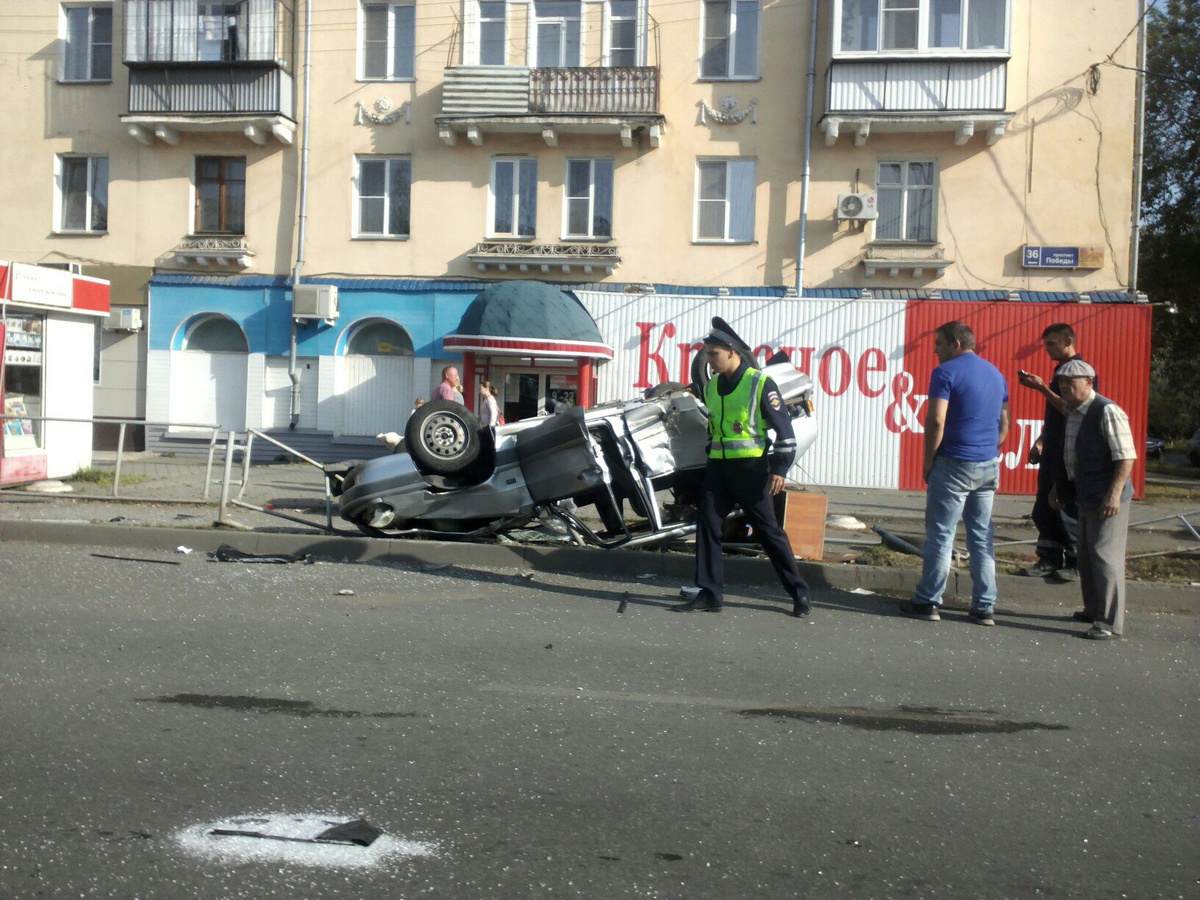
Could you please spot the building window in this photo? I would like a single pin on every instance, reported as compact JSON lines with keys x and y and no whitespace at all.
{"x":907,"y":196}
{"x":725,"y":200}
{"x":513,"y":198}
{"x":220,"y":195}
{"x":890,"y":26}
{"x":731,"y":39}
{"x":87,"y":43}
{"x":200,"y":30}
{"x":622,"y":33}
{"x":383,"y":189}
{"x":493,"y":37}
{"x":83,"y":193}
{"x":557,"y":33}
{"x":589,"y":198}
{"x":388,"y":41}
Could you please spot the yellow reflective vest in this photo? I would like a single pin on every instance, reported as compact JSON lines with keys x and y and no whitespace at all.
{"x":736,"y":426}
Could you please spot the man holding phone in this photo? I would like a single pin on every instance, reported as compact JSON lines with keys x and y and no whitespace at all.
{"x":1058,"y":529}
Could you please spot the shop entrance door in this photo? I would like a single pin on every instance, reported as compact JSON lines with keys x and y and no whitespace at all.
{"x":527,"y":394}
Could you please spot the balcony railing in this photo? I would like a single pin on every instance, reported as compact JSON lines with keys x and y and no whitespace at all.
{"x":516,"y":91}
{"x":588,"y":258}
{"x":917,"y":86}
{"x":594,"y":91}
{"x":239,"y":90}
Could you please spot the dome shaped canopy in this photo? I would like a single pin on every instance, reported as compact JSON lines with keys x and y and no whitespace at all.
{"x":528,"y":317}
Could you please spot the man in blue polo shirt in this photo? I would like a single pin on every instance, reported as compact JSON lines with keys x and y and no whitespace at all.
{"x":965,"y":423}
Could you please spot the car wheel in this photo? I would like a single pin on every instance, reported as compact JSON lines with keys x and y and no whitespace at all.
{"x":701,"y":374}
{"x":442,"y":437}
{"x":665,"y":389}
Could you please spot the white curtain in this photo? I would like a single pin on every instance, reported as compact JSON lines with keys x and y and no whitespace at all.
{"x":741,"y":200}
{"x":187,"y":30}
{"x":985,"y":24}
{"x":256,"y":40}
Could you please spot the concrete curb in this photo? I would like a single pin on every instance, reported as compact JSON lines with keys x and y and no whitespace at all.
{"x":1015,"y":591}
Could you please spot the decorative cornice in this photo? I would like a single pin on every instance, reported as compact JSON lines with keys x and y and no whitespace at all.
{"x":523,"y":256}
{"x":383,"y":114}
{"x":729,"y":114}
{"x":212,"y":250}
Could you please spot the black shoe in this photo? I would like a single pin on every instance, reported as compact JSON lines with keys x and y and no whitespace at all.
{"x":926,"y":611}
{"x":981,"y":616}
{"x":1065,"y":575}
{"x":1040,"y":569}
{"x":699,"y":603}
{"x":1082,"y":615}
{"x":801,"y":609}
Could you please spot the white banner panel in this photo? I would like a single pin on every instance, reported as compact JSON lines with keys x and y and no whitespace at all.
{"x":852,"y":349}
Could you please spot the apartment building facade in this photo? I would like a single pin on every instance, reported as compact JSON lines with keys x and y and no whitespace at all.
{"x":205,"y":156}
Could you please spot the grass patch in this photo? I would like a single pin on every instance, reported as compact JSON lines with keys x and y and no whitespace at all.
{"x":101,"y":477}
{"x":1171,"y":492}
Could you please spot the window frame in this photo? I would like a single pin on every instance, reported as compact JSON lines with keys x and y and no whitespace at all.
{"x":503,"y":22}
{"x":90,"y":192}
{"x":391,"y":7}
{"x":730,"y":38}
{"x":534,"y":43}
{"x":357,"y":231}
{"x":590,"y":199}
{"x":224,"y":181}
{"x":91,"y":44}
{"x":518,"y":163}
{"x":905,"y":189}
{"x":727,"y":200}
{"x":610,"y":21}
{"x":924,"y":47}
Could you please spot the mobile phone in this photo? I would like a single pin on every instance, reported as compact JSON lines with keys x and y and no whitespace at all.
{"x":1022,"y":372}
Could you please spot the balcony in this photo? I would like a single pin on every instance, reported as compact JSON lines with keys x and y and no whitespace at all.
{"x":479,"y":100}
{"x":522,"y":257}
{"x":962,"y":96}
{"x":196,"y":69}
{"x":256,"y":101}
{"x":211,"y":252}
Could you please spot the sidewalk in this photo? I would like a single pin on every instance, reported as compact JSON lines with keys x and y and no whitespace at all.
{"x":160,"y":506}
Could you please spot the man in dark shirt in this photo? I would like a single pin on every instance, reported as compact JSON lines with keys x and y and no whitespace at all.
{"x":745,"y":468}
{"x":1058,"y":529}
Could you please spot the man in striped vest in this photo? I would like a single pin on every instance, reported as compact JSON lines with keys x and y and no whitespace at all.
{"x":745,"y":468}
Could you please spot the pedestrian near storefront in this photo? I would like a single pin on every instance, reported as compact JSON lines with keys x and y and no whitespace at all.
{"x":1097,"y":460}
{"x":1058,"y":529}
{"x":744,"y":468}
{"x":489,"y":409}
{"x":448,"y":388}
{"x":966,"y":421}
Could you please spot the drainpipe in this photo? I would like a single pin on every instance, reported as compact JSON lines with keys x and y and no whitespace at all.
{"x":1139,"y":140}
{"x":302,"y":220}
{"x":805,"y":175}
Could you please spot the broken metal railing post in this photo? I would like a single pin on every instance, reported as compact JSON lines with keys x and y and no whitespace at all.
{"x":252,"y":433}
{"x":212,"y":449}
{"x":225,"y":481}
{"x":246,"y":464}
{"x":120,"y":449}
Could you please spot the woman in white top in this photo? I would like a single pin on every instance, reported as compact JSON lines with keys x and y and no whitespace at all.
{"x":489,"y":409}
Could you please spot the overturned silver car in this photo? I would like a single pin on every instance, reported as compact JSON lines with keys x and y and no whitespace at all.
{"x":639,"y":463}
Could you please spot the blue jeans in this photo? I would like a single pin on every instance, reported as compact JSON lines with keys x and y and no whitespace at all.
{"x":959,"y":489}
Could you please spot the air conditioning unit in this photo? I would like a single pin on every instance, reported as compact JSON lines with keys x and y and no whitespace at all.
{"x":124,"y":320}
{"x":857,"y":207}
{"x":315,"y":301}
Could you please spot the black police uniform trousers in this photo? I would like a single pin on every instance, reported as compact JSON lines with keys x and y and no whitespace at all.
{"x":741,"y":482}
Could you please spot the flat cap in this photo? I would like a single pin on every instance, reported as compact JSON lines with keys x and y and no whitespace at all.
{"x":1075,"y":368}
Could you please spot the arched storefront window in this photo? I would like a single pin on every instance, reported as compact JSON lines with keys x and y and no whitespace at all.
{"x":214,"y":334}
{"x":208,"y":374}
{"x":380,"y":339}
{"x":376,"y":378}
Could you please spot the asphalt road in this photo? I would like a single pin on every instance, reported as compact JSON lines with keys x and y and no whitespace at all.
{"x":524,"y":737}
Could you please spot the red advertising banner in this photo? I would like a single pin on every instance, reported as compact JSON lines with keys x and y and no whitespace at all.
{"x":1115,"y":339}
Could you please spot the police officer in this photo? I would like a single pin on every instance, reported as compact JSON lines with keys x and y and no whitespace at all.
{"x":744,"y":468}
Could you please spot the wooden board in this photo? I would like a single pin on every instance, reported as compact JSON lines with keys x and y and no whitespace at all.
{"x":802,"y":514}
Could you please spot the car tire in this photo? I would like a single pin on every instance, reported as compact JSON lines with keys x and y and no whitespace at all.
{"x":701,"y":374}
{"x":665,"y":389}
{"x":442,"y":437}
